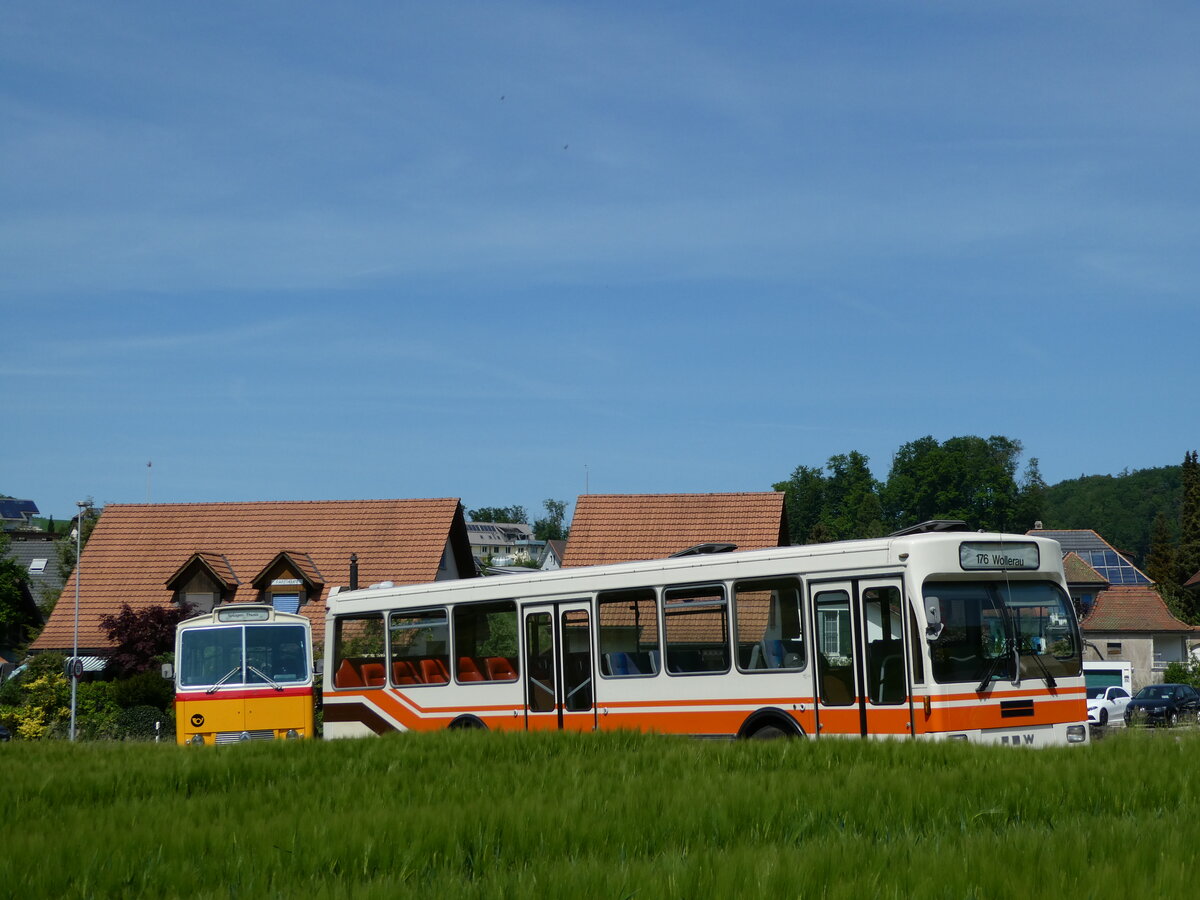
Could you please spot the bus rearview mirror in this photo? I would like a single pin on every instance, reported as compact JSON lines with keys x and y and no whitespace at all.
{"x":933,"y":619}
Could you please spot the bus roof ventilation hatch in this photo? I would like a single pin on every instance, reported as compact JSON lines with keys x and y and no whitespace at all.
{"x":702,"y":549}
{"x":932,"y":526}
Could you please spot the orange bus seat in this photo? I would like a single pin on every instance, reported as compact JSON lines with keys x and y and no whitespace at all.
{"x":500,"y":669}
{"x":404,"y":673}
{"x":374,"y":674}
{"x":347,"y":675}
{"x":468,"y":671}
{"x":434,"y":671}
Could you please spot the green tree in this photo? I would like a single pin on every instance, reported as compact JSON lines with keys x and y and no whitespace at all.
{"x":511,"y":515}
{"x":17,"y":614}
{"x":551,"y":528}
{"x":851,"y":507}
{"x":1161,"y":567}
{"x":1031,"y":497}
{"x":1188,"y":555}
{"x":969,"y":478}
{"x":804,"y":495}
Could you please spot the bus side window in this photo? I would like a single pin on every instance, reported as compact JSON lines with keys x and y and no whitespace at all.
{"x":885,"y":646}
{"x":769,"y":632}
{"x":628,"y":632}
{"x":485,"y":642}
{"x":696,"y":626}
{"x":420,"y":641}
{"x":358,"y":649}
{"x":916,"y":643}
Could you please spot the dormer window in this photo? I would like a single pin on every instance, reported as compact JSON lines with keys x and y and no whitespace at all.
{"x":203,"y":581}
{"x":289,"y":581}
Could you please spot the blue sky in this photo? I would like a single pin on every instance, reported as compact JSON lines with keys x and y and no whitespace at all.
{"x":502,"y":250}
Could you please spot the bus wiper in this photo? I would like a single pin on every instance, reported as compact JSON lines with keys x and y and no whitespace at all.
{"x":264,"y":676}
{"x":225,"y":678}
{"x":1050,"y":683}
{"x":991,"y":669}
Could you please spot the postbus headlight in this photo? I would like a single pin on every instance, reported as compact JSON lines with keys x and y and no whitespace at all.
{"x":196,"y":739}
{"x":292,"y":735}
{"x":1076,"y":734}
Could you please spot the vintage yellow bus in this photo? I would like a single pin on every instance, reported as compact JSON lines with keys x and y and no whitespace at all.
{"x":243,"y":672}
{"x":939,"y":633}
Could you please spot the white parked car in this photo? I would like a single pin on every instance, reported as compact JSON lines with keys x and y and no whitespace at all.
{"x":1107,"y":704}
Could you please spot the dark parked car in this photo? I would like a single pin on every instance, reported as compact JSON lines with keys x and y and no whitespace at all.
{"x":1163,"y":704}
{"x":5,"y":734}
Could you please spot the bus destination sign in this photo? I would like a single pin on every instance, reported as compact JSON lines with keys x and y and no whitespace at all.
{"x":997,"y":555}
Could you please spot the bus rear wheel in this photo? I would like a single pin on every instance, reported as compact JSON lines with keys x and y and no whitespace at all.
{"x":467,"y":723}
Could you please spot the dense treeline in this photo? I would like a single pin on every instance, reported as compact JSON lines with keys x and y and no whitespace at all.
{"x":1122,"y":508}
{"x":976,"y":479}
{"x":969,"y":478}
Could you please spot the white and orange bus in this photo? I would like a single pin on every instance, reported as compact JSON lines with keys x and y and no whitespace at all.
{"x":930,"y":633}
{"x":243,"y":672}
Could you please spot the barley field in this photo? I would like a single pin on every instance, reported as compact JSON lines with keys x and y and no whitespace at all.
{"x":470,"y":814}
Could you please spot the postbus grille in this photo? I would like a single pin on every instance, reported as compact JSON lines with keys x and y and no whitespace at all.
{"x":234,"y":737}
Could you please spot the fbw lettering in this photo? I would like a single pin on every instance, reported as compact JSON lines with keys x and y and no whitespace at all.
{"x":1015,"y":740}
{"x":997,"y":559}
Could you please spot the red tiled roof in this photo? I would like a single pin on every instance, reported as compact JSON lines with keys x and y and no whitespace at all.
{"x":1130,"y":607}
{"x":1193,"y":581}
{"x":135,"y":548}
{"x":611,"y":528}
{"x":1079,"y":572}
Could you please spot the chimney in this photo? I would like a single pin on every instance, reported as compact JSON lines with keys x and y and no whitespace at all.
{"x":354,"y":571}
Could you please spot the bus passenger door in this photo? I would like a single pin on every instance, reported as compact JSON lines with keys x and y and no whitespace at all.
{"x":861,"y":671}
{"x":559,"y":689}
{"x":886,"y":707}
{"x":835,"y":653}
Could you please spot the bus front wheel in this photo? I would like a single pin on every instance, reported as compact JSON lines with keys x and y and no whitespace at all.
{"x":768,"y":733}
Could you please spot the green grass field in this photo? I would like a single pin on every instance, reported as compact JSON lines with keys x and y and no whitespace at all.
{"x":468,"y":814}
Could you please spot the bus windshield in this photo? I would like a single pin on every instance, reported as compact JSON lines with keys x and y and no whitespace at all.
{"x":243,"y":655}
{"x":990,"y":624}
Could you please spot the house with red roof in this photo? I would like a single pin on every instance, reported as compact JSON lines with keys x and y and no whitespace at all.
{"x":1122,"y":617}
{"x":612,"y":528}
{"x":290,"y":554}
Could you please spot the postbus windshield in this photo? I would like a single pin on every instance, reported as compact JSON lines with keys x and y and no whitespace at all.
{"x":243,"y":655}
{"x":988,"y":625}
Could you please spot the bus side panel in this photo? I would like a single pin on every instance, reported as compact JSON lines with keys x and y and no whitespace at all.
{"x":386,"y":710}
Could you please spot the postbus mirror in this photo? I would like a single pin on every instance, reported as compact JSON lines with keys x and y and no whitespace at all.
{"x":168,"y":671}
{"x":933,"y":618}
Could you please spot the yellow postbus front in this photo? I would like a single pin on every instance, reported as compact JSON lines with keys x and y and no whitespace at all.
{"x":243,"y":673}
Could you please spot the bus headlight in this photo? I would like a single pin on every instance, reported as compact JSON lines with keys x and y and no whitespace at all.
{"x":292,"y":735}
{"x":1076,"y":734}
{"x":957,"y":737}
{"x":196,"y":739}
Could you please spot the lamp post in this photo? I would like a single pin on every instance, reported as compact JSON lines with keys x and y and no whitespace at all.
{"x":84,"y":506}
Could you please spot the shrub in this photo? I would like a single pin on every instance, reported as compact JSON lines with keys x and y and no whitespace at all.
{"x":138,"y":723}
{"x":1187,"y":672}
{"x":37,"y":704}
{"x":143,"y":689}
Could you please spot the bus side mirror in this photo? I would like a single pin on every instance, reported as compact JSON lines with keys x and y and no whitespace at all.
{"x":168,"y":671}
{"x":933,"y":618}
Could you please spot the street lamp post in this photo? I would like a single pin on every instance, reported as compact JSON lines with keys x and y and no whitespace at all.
{"x":84,"y":506}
